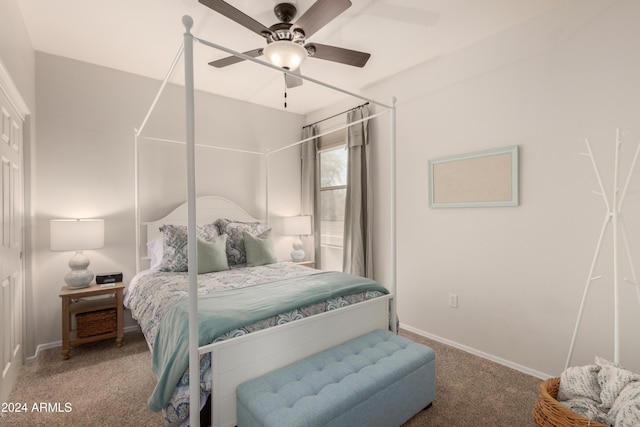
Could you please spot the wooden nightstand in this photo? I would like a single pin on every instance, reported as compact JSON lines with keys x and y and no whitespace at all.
{"x":96,"y":319}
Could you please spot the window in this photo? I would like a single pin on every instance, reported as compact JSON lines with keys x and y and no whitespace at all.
{"x":333,"y":191}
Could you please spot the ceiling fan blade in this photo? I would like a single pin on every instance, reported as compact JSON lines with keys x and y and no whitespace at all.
{"x":338,"y":54}
{"x":320,"y":14}
{"x":293,"y":81}
{"x":234,"y":14}
{"x":230,"y":60}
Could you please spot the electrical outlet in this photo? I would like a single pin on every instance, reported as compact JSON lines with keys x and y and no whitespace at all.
{"x":453,"y":300}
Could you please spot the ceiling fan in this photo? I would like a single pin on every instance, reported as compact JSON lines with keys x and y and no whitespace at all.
{"x":287,"y":45}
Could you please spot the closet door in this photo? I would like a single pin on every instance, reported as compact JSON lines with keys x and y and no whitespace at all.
{"x":11,"y":244}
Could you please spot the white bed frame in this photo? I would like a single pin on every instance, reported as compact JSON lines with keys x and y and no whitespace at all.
{"x":255,"y":354}
{"x":208,"y":209}
{"x":240,"y":359}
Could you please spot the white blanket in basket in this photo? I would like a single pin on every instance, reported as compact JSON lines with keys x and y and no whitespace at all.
{"x":604,"y":392}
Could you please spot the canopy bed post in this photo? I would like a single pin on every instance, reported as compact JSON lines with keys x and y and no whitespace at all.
{"x":267,"y":160}
{"x":392,"y":217}
{"x":138,"y":131}
{"x":194,"y":356}
{"x":287,"y":342}
{"x":136,"y":198}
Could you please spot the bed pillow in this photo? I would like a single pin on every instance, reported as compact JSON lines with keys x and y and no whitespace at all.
{"x":154,"y":249}
{"x":260,"y":249}
{"x":174,"y":244}
{"x":236,"y":253}
{"x":212,"y":255}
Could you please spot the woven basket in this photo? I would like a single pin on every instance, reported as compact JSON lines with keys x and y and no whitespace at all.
{"x":95,"y":323}
{"x":549,"y":413}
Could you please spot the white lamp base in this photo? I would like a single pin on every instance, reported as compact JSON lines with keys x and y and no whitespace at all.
{"x":79,"y":277}
{"x":297,"y":254}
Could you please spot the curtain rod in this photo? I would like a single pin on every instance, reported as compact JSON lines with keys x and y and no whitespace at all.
{"x":329,"y":131}
{"x":335,"y":115}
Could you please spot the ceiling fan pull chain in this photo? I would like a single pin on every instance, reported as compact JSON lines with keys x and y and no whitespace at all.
{"x":285,"y":90}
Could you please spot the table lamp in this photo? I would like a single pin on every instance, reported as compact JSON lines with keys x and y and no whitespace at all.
{"x":297,"y":226}
{"x":77,"y":235}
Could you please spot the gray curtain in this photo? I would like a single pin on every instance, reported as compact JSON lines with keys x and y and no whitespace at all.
{"x":308,"y":187}
{"x":358,"y":256}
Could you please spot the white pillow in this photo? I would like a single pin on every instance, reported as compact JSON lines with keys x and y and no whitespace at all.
{"x":154,"y":249}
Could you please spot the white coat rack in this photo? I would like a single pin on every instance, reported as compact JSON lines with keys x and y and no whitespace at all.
{"x":614,"y":217}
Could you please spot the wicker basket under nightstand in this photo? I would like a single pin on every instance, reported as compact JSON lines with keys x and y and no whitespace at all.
{"x":96,"y":323}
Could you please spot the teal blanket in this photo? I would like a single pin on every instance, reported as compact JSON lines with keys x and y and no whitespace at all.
{"x":224,"y":311}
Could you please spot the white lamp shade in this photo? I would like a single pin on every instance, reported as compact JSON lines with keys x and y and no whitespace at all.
{"x":297,"y":225}
{"x":76,"y":234}
{"x":286,"y":54}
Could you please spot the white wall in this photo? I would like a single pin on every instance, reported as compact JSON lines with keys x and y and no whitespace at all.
{"x":16,"y":52}
{"x":85,"y":165}
{"x":18,"y":59}
{"x":519,"y":272}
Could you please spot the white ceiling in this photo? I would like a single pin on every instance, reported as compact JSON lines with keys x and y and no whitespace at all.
{"x":143,"y":37}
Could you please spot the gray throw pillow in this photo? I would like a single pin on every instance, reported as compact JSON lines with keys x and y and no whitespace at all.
{"x":260,"y":249}
{"x":236,"y":253}
{"x":174,"y":243}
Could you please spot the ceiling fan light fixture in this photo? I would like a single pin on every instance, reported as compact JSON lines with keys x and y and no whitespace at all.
{"x":285,"y":54}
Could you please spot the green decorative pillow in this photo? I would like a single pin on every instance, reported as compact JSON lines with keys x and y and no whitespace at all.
{"x":260,"y":249}
{"x":174,"y":243}
{"x":212,"y":255}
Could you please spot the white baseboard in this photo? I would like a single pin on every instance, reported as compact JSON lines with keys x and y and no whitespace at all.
{"x":42,"y":347}
{"x":132,"y":328}
{"x":496,"y":359}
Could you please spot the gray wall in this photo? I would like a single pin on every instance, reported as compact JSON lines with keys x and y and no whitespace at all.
{"x":544,"y":85}
{"x":519,"y":272}
{"x":16,"y":52}
{"x":18,"y":60}
{"x":85,"y":165}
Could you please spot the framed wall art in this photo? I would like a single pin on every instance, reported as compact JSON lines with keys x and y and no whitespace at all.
{"x":478,"y":179}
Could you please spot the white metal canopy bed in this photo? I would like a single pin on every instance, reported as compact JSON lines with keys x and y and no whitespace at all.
{"x":238,"y":359}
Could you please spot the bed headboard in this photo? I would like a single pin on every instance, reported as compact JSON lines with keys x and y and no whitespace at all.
{"x":208,"y":209}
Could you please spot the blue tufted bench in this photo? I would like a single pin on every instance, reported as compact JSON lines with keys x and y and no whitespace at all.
{"x":378,"y":379}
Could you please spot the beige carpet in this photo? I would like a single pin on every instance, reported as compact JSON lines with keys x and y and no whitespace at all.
{"x":103,"y":385}
{"x":472,"y":391}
